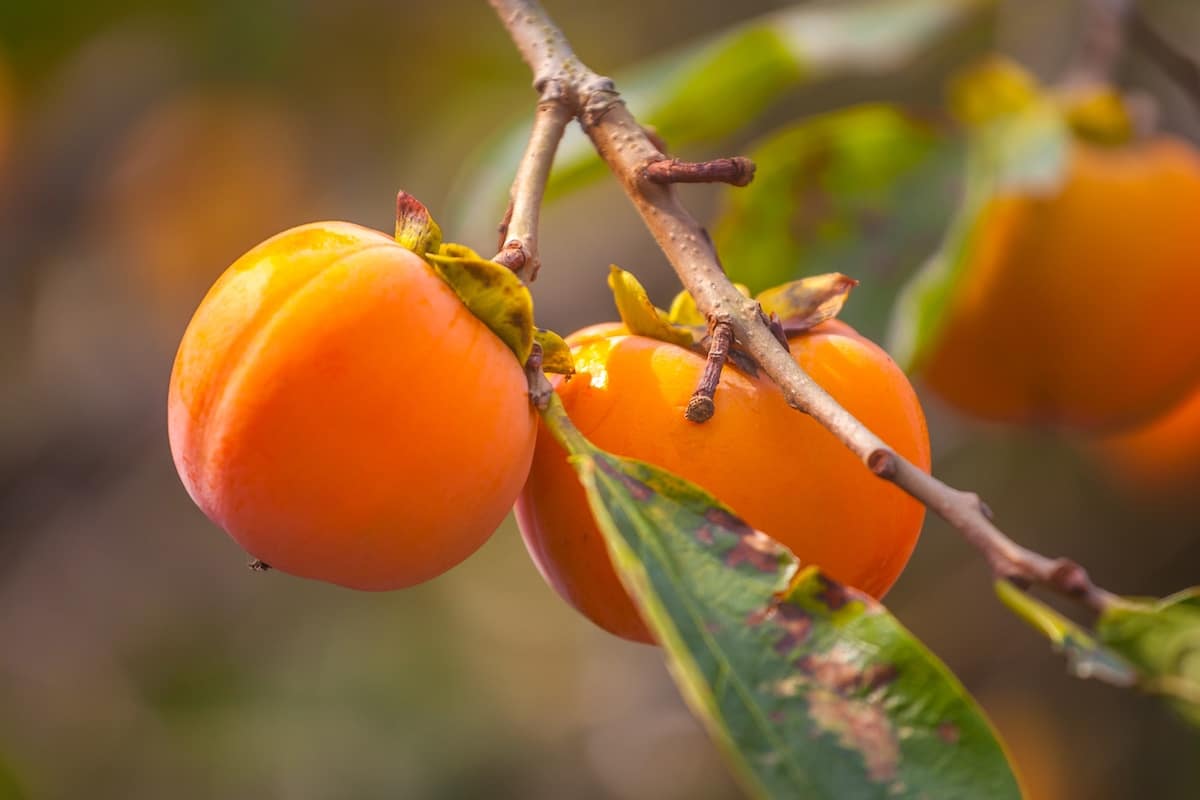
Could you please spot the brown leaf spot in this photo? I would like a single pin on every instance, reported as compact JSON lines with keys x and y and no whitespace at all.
{"x":639,"y":490}
{"x":729,"y":521}
{"x":877,"y":676}
{"x":704,"y":535}
{"x":796,"y":625}
{"x":858,"y":726}
{"x":832,"y":593}
{"x":949,"y":733}
{"x":756,"y":549}
{"x":833,"y":672}
{"x":756,"y":618}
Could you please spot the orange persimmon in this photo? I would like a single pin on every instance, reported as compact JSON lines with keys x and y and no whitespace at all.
{"x":779,"y":469}
{"x":1078,"y":308}
{"x":1159,"y":458}
{"x":337,"y":409}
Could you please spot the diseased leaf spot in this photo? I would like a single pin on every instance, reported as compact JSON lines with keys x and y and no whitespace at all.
{"x":639,"y":490}
{"x":725,"y":519}
{"x":858,"y":726}
{"x":704,"y":535}
{"x":756,"y":549}
{"x":832,"y":593}
{"x":796,"y":625}
{"x":949,"y":733}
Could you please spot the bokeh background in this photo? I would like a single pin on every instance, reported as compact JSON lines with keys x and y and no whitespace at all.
{"x":143,"y":146}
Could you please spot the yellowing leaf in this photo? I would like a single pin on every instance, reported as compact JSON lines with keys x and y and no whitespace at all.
{"x":996,"y":88}
{"x":809,"y":301}
{"x":492,"y":292}
{"x":556,"y":353}
{"x":684,"y":311}
{"x":641,"y":316}
{"x":415,"y":226}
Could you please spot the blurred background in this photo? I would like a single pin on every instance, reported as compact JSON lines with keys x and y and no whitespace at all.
{"x":143,"y":147}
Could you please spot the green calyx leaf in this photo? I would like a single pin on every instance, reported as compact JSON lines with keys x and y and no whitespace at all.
{"x":492,"y":292}
{"x":1162,"y":638}
{"x":556,"y":353}
{"x":415,"y":226}
{"x":809,"y":301}
{"x":811,"y":688}
{"x":641,"y":316}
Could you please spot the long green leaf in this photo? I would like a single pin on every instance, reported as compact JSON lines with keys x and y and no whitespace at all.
{"x":1162,"y":637}
{"x":813,"y":689}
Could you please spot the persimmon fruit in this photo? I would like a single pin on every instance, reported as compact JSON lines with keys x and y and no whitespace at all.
{"x":777,"y":468}
{"x":1077,"y":309}
{"x":336,"y":408}
{"x":1159,"y":458}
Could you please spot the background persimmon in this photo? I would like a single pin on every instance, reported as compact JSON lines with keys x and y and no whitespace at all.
{"x":1159,"y":458}
{"x":777,"y":468}
{"x":337,"y":409}
{"x":1078,"y":309}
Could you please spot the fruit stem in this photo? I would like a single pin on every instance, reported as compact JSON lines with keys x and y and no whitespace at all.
{"x":701,"y":407}
{"x":627,"y":149}
{"x":737,"y":171}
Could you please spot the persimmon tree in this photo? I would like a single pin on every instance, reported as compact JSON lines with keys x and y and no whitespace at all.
{"x":806,"y":681}
{"x":812,"y":687}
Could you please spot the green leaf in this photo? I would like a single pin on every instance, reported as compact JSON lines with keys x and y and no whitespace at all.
{"x":556,"y":353}
{"x":741,"y":71}
{"x":866,"y":191}
{"x":812,"y":689}
{"x":1024,"y":152}
{"x":807,"y":302}
{"x":641,"y":316}
{"x":1162,"y":637}
{"x":492,"y":292}
{"x":1086,"y":658}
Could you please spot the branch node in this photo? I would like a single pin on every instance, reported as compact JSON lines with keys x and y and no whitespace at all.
{"x":882,"y":462}
{"x":702,"y":406}
{"x":737,"y":171}
{"x":1070,"y":578}
{"x":514,"y":256}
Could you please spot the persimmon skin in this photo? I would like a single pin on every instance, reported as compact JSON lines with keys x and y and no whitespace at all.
{"x":342,"y":415}
{"x":1078,"y":310}
{"x":779,"y":469}
{"x":1158,"y":459}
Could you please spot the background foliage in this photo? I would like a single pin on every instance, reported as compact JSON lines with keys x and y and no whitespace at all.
{"x":143,"y":146}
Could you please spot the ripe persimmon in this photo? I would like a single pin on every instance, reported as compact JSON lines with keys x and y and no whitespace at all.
{"x":777,"y":468}
{"x":336,"y":408}
{"x":1078,"y":308}
{"x":1161,"y":457}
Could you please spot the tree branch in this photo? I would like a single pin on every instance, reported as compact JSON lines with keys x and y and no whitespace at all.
{"x":1177,"y":65}
{"x":627,"y":149}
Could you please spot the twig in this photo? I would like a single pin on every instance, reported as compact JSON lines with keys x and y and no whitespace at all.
{"x":1176,"y":64}
{"x":1102,"y":42}
{"x":738,"y":171}
{"x":625,"y":147}
{"x":519,"y":251}
{"x":700,"y":408}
